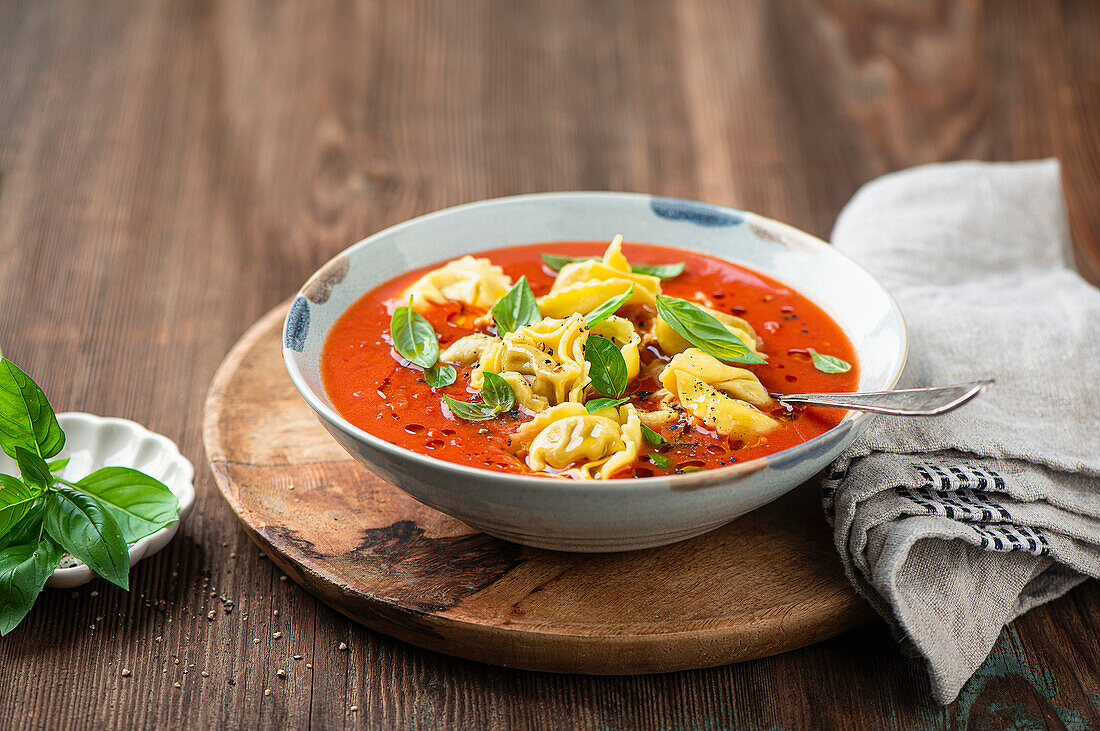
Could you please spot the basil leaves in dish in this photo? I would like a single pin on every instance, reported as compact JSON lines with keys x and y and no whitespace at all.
{"x":413,"y":336}
{"x":608,"y":367}
{"x":516,"y":309}
{"x":829,"y":363}
{"x":439,"y":376}
{"x":704,"y":331}
{"x":608,"y":308}
{"x":497,"y":397}
{"x":596,"y":404}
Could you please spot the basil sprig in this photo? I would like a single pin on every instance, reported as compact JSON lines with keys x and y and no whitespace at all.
{"x":829,"y":363}
{"x":598,"y":404}
{"x":43,"y":515}
{"x":608,"y":367}
{"x":661,"y":271}
{"x":660,"y":460}
{"x":440,"y":375}
{"x":704,"y":331}
{"x":497,"y":397}
{"x":608,"y":308}
{"x":516,"y":309}
{"x":654,"y":437}
{"x":414,"y":338}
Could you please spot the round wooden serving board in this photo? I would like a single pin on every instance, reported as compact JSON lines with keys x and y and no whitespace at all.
{"x":767,"y":583}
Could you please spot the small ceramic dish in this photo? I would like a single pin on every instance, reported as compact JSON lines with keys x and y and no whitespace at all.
{"x":603,"y":515}
{"x":92,"y":442}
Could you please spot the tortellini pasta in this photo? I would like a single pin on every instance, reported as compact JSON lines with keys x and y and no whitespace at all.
{"x":584,"y":285}
{"x":721,"y":396}
{"x":543,"y":363}
{"x":570,"y":442}
{"x":671,"y":342}
{"x":476,"y":282}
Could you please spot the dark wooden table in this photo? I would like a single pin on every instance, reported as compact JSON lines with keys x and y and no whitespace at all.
{"x":170,"y":171}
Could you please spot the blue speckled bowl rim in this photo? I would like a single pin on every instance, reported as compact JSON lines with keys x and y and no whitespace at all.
{"x":703,"y":214}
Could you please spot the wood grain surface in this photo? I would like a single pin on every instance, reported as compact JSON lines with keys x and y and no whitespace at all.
{"x":767,"y":583}
{"x":170,"y":171}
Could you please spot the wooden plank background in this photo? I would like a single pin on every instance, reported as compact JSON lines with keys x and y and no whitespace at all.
{"x":170,"y":171}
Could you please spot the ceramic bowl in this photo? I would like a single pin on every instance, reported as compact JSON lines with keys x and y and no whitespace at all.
{"x":92,"y":442}
{"x":611,"y":515}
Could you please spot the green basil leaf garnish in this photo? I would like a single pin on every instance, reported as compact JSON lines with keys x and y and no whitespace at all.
{"x":608,"y":368}
{"x":516,"y":309}
{"x":470,"y":410}
{"x":557,"y":262}
{"x":16,"y":499}
{"x":653,"y":437}
{"x":661,"y":271}
{"x":58,"y":465}
{"x":24,"y":569}
{"x":26,"y":418}
{"x":414,"y":338}
{"x":496,"y":393}
{"x":440,"y":375}
{"x":596,"y":404}
{"x":608,"y":308}
{"x":660,"y":460}
{"x":140,"y":504}
{"x":829,"y":363}
{"x":704,"y":331}
{"x":496,"y":398}
{"x":85,"y":529}
{"x":33,"y":468}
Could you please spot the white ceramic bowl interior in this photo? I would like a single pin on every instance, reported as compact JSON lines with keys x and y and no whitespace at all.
{"x":613,"y":514}
{"x":92,"y":442}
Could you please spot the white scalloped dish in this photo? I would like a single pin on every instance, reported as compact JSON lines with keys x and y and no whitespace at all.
{"x":92,"y":442}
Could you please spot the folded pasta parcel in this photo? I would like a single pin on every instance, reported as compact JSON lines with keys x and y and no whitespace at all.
{"x":476,"y":282}
{"x":569,"y":441}
{"x":582,"y":286}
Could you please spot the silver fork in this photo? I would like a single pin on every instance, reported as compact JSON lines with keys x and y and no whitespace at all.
{"x":904,"y":402}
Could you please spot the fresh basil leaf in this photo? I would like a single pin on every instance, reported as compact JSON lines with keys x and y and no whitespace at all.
{"x":496,"y":393}
{"x":26,"y":419}
{"x":470,"y":411}
{"x":516,"y":309}
{"x":608,"y":368}
{"x":29,"y":528}
{"x":653,"y":437}
{"x":829,"y":363}
{"x":661,"y":271}
{"x":58,"y":465}
{"x":704,"y":331}
{"x":557,"y":262}
{"x":596,"y":404}
{"x":140,"y":504}
{"x":660,"y":460}
{"x":16,"y":499}
{"x":414,"y":337}
{"x":608,"y":308}
{"x":33,"y":468}
{"x":440,"y":375}
{"x":86,"y":529}
{"x":24,"y":570}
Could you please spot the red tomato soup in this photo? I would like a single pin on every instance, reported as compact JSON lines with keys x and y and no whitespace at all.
{"x":375,"y":390}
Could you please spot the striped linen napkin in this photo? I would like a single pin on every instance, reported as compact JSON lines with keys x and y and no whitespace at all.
{"x":952,"y":526}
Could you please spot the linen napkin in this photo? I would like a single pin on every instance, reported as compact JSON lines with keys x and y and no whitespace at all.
{"x":954,"y":525}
